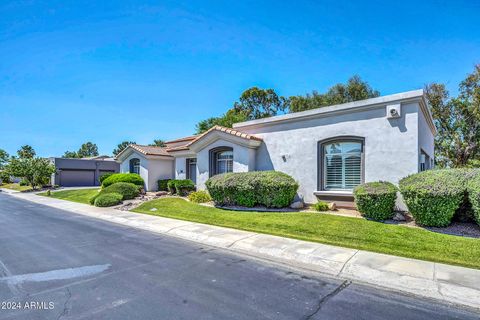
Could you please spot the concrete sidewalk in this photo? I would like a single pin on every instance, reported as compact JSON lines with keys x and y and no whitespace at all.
{"x":428,"y":279}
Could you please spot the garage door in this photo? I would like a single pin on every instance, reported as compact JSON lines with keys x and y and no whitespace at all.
{"x":77,"y":178}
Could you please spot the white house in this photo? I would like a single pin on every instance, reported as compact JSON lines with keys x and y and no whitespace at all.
{"x":327,"y":150}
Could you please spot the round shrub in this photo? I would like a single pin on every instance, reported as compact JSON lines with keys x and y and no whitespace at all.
{"x":272,"y":189}
{"x":433,"y":196}
{"x":180,"y":187}
{"x":171,"y":186}
{"x":320,"y":206}
{"x":199,"y":197}
{"x":105,"y":176}
{"x":123,"y":177}
{"x":127,"y":190}
{"x":376,"y":200}
{"x":108,"y":199}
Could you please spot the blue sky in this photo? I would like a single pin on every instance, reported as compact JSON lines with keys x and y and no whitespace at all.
{"x":107,"y":71}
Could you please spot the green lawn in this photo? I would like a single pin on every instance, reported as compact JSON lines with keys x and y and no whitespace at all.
{"x":15,"y":186}
{"x":78,"y":195}
{"x":330,"y":229}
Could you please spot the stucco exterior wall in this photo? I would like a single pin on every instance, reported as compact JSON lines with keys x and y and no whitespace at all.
{"x":181,"y":168}
{"x":159,"y":169}
{"x":425,"y":137}
{"x":390,"y":150}
{"x":243,"y":160}
{"x":151,"y":170}
{"x":125,"y":166}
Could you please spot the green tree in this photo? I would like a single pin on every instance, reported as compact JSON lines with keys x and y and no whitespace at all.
{"x":4,"y":156}
{"x":254,"y":103}
{"x":226,"y":120}
{"x":158,"y":143}
{"x":122,"y":146}
{"x":457,"y":119}
{"x":70,"y":154}
{"x":26,"y":152}
{"x":88,"y":149}
{"x":258,"y":103}
{"x":355,"y":89}
{"x":36,"y":171}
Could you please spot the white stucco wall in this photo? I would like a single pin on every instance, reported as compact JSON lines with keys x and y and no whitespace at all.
{"x":151,"y":170}
{"x":425,"y":137}
{"x":243,"y":160}
{"x":181,"y":167}
{"x":125,"y":166}
{"x":391,"y":146}
{"x":159,"y":169}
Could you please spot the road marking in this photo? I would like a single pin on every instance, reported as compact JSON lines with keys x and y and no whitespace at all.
{"x":61,"y":274}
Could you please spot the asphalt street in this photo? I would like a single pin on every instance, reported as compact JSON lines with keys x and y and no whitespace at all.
{"x":55,"y":264}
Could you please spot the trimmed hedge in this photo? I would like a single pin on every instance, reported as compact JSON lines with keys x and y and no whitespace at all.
{"x":433,"y":196}
{"x":180,"y":187}
{"x":376,"y":200}
{"x":105,"y":176}
{"x":473,"y":188}
{"x":108,"y":199}
{"x":199,"y":197}
{"x":272,"y":189}
{"x":163,"y":184}
{"x":123,"y":177}
{"x":321,"y":206}
{"x":127,"y":190}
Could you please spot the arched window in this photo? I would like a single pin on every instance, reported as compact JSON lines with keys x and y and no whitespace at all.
{"x":341,"y":163}
{"x":135,"y":165}
{"x":221,"y":160}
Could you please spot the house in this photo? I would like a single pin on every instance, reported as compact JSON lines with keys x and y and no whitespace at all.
{"x":328,"y":150}
{"x":82,"y":172}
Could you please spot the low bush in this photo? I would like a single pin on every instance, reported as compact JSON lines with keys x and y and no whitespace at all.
{"x":320,"y":206}
{"x":376,"y":200}
{"x":127,"y":190}
{"x":181,"y":187}
{"x":108,"y":199}
{"x":433,"y":196}
{"x":199,"y":197}
{"x":105,"y":176}
{"x":171,"y":186}
{"x":23,"y":182}
{"x":163,"y":184}
{"x":272,"y":189}
{"x":473,"y":187}
{"x":123,"y":177}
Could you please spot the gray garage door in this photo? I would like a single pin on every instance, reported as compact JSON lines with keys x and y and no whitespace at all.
{"x":77,"y":178}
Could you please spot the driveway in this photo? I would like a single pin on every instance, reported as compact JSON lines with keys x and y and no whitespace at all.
{"x":75,"y":267}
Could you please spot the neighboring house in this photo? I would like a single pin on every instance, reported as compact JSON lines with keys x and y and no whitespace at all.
{"x":82,"y":172}
{"x":328,"y":150}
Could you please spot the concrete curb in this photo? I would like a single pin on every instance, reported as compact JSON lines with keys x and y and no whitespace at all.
{"x":451,"y":284}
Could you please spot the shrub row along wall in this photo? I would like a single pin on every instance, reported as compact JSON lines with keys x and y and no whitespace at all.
{"x":269,"y":188}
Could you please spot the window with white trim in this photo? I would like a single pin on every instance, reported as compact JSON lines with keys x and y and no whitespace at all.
{"x":223,"y":162}
{"x":342,"y":164}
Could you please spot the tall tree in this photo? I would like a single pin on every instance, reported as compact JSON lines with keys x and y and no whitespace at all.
{"x":88,"y":149}
{"x":36,"y":171}
{"x":3,"y":158}
{"x":254,"y":103}
{"x":70,"y":154}
{"x":158,"y":143}
{"x":26,"y":152}
{"x":355,"y":89}
{"x":122,"y":146}
{"x":457,"y":143}
{"x":258,"y":103}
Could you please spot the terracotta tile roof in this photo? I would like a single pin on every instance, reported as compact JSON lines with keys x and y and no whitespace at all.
{"x":150,"y":150}
{"x":190,"y":138}
{"x":179,"y":148}
{"x":228,"y":131}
